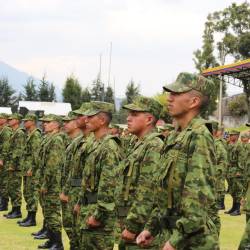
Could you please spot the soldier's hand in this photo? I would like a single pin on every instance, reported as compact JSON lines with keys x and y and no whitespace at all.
{"x":167,"y":246}
{"x":29,"y":173}
{"x":76,"y":209}
{"x":144,"y":239}
{"x":1,"y":163}
{"x":92,"y":222}
{"x":128,"y":236}
{"x":242,"y":202}
{"x":64,"y":198}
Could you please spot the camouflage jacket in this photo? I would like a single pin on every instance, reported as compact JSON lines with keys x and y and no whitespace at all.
{"x":98,"y":180}
{"x":5,"y":135}
{"x":30,"y":160}
{"x":16,"y":149}
{"x":236,"y":159}
{"x":134,"y":180}
{"x":53,"y":155}
{"x":78,"y":152}
{"x":185,"y":189}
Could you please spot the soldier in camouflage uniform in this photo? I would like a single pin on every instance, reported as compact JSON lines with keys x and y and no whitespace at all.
{"x":245,"y":241}
{"x":72,"y":186}
{"x":97,"y":195}
{"x":51,"y":182}
{"x":166,"y":129}
{"x":235,"y":172}
{"x":222,"y":163}
{"x":13,"y":161}
{"x":133,"y":194}
{"x":186,"y":177}
{"x":30,"y":166}
{"x":5,"y":134}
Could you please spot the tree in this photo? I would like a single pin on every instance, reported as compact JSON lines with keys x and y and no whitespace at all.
{"x":72,"y":92}
{"x":97,"y":91}
{"x":109,"y":95}
{"x":7,"y":98}
{"x":86,"y":95}
{"x":46,"y":91}
{"x":132,"y":91}
{"x":30,"y":92}
{"x":232,"y":27}
{"x":238,"y":106}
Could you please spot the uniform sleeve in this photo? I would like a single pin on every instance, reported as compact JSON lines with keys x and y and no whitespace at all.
{"x":144,"y":198}
{"x":54,"y":161}
{"x":106,"y":187}
{"x":198,"y":191}
{"x":5,"y":145}
{"x":222,"y":160}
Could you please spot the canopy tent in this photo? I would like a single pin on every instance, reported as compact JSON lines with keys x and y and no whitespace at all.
{"x":233,"y":73}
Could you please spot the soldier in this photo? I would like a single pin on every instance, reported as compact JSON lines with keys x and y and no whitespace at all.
{"x":245,"y":241}
{"x":15,"y":154}
{"x":133,"y":194}
{"x":186,"y":175}
{"x":30,"y":166}
{"x":72,"y":185}
{"x":5,"y":134}
{"x":98,"y":183}
{"x":166,"y":129}
{"x":51,"y":182}
{"x":222,"y":163}
{"x":235,"y":171}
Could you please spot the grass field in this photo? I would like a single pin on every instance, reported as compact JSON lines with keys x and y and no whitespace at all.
{"x":13,"y":237}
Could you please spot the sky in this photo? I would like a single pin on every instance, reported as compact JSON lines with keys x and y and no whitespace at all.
{"x":152,"y":40}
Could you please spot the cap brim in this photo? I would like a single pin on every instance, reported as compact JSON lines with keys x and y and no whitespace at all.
{"x":176,"y":88}
{"x":91,"y":112}
{"x":133,"y":108}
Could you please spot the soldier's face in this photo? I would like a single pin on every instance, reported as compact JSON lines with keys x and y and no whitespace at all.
{"x":70,"y":126}
{"x":244,"y":139}
{"x":50,"y":126}
{"x":13,"y":122}
{"x":28,"y":124}
{"x":181,"y":103}
{"x":81,"y":121}
{"x":93,"y":123}
{"x":137,"y":122}
{"x":233,"y":138}
{"x":2,"y":121}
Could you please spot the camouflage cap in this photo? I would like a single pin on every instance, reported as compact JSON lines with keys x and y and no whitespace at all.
{"x":50,"y":118}
{"x":186,"y":82}
{"x":70,"y":117}
{"x":30,"y":117}
{"x":145,"y":104}
{"x":4,"y":116}
{"x":234,"y":132}
{"x":97,"y":107}
{"x":166,"y":127}
{"x":245,"y":135}
{"x":15,"y":116}
{"x":84,"y":107}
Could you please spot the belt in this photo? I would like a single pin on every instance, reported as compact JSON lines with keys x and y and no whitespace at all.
{"x":75,"y":182}
{"x":122,"y":211}
{"x":169,"y":222}
{"x":89,"y":198}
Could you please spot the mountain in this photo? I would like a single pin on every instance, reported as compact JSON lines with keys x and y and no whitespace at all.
{"x":16,"y":77}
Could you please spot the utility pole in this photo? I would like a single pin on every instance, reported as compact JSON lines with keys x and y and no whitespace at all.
{"x":110,"y":57}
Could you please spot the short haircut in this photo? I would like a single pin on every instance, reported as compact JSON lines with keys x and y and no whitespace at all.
{"x":204,"y":99}
{"x":107,"y":116}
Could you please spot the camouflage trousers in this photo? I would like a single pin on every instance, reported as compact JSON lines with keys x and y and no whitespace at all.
{"x":71,"y":224}
{"x":52,"y":212}
{"x":236,"y":188}
{"x":14,"y":188}
{"x":245,"y":240}
{"x":30,"y":193}
{"x":93,"y":240}
{"x":4,"y":176}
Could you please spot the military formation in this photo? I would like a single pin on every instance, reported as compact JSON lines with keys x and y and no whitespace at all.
{"x":145,"y":187}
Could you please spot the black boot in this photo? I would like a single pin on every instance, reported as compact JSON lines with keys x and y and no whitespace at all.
{"x":16,"y":213}
{"x":232,"y":208}
{"x":25,"y":219}
{"x":30,"y":222}
{"x":47,"y":244}
{"x":221,"y":204}
{"x":57,"y":241}
{"x":236,"y":211}
{"x":10,"y":212}
{"x":4,"y":204}
{"x":43,"y":235}
{"x":41,"y":231}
